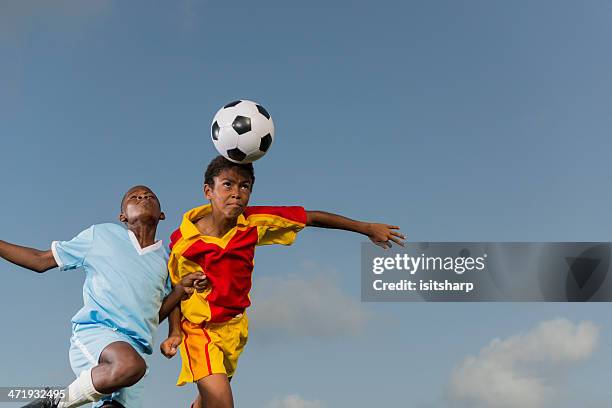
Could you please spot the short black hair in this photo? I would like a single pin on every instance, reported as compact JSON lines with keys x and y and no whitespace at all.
{"x":220,"y":163}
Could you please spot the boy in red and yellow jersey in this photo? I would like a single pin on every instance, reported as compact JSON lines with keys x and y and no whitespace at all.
{"x":219,"y":239}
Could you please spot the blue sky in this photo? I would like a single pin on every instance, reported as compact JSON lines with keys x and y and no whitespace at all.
{"x":458,"y":121}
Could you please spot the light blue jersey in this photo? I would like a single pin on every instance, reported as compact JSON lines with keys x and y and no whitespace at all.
{"x":124,"y":285}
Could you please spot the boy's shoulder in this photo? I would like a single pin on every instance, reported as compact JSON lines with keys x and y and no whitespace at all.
{"x":109,"y":227}
{"x":107,"y":231}
{"x":102,"y":228}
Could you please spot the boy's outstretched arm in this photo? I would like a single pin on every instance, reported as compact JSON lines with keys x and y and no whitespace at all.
{"x":30,"y":258}
{"x":380,"y":234}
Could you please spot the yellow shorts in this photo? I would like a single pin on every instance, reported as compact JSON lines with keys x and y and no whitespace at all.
{"x":211,"y":348}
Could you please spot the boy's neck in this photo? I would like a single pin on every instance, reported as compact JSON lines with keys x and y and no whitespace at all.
{"x":215,"y":225}
{"x":145,"y":233}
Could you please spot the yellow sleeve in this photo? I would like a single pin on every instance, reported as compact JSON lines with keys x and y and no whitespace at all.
{"x":277,"y":234}
{"x":277,"y":225}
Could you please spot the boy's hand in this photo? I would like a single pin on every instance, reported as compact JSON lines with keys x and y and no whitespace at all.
{"x":170,"y":345}
{"x":383,"y":234}
{"x":201,"y":285}
{"x":192,"y":282}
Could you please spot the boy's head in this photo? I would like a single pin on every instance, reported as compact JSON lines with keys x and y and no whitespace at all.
{"x":140,"y":204}
{"x":228,"y":186}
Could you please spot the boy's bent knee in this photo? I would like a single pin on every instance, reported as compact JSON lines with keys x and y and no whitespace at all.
{"x":128,"y":373}
{"x":126,"y":366}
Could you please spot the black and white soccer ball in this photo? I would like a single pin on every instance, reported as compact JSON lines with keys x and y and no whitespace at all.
{"x":242,"y":131}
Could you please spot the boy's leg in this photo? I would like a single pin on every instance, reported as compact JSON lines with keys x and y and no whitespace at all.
{"x":209,"y":355}
{"x":119,"y":366}
{"x":104,"y":361}
{"x":214,"y":392}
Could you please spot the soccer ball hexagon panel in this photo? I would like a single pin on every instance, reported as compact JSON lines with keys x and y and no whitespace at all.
{"x":242,"y":131}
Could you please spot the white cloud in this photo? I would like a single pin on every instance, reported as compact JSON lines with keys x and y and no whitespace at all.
{"x":306,"y":306}
{"x":293,"y":401}
{"x":522,"y":370}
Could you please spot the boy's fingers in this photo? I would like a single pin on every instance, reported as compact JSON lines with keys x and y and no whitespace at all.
{"x":397,"y":241}
{"x":384,"y":244}
{"x":201,"y":284}
{"x":169,"y":349}
{"x":397,"y":234}
{"x":198,"y":278}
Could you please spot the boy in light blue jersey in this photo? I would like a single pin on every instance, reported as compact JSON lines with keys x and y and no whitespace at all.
{"x":127,"y":303}
{"x":126,"y":294}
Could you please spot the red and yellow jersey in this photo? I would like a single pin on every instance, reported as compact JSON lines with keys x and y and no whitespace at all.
{"x":227,"y":261}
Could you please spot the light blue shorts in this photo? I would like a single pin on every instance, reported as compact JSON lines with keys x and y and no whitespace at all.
{"x":86,"y":345}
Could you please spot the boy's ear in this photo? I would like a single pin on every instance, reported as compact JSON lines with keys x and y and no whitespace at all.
{"x":207,"y":191}
{"x":122,"y":217}
{"x":162,"y":216}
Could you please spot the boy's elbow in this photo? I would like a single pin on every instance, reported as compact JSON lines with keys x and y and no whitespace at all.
{"x":45,"y":262}
{"x":41,"y":268}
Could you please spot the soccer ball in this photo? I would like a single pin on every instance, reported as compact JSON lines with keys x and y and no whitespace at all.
{"x":242,"y":131}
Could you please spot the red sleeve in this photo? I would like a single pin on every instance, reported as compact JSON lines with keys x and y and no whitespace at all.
{"x":296,"y":213}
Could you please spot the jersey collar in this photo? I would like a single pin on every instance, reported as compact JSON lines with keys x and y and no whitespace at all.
{"x":145,"y":250}
{"x":189,"y":230}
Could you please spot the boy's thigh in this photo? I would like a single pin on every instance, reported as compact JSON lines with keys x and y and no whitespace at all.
{"x":86,"y":346}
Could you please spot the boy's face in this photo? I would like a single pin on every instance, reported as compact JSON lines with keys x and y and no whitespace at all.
{"x":230,"y":192}
{"x":140,"y":203}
